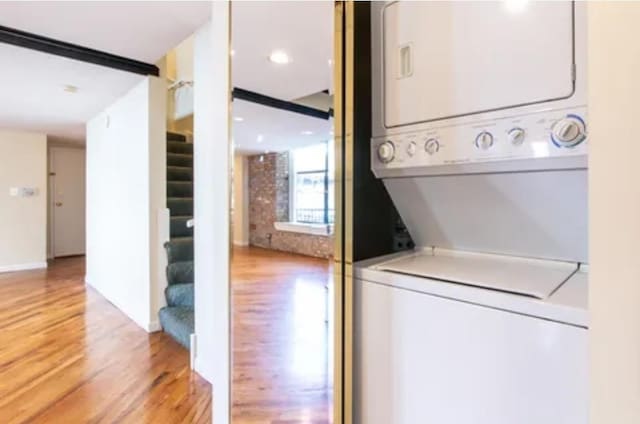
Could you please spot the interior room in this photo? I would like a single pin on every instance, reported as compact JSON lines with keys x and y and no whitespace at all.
{"x":345,"y":212}
{"x":283,"y":211}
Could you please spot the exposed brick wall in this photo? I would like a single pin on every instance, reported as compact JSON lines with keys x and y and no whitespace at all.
{"x":269,"y":203}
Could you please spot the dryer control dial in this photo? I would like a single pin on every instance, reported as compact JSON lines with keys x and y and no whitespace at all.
{"x":386,"y":152}
{"x":484,"y":140}
{"x":516,"y":136}
{"x":568,"y":132}
{"x":432,"y":146}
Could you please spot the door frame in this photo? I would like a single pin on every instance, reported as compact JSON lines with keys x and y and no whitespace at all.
{"x":51,"y":186}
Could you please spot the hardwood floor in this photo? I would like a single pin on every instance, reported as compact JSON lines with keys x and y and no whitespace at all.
{"x":69,"y":356}
{"x":281,"y":338}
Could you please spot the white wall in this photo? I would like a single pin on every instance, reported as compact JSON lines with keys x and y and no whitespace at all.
{"x":23,"y":220}
{"x":240,"y":200}
{"x":212,"y":172}
{"x":127,"y":220}
{"x":614,"y":211}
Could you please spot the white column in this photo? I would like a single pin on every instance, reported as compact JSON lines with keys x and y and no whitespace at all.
{"x":614,"y":211}
{"x":211,"y":203}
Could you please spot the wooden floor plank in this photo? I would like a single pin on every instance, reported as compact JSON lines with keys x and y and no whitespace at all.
{"x":69,"y":356}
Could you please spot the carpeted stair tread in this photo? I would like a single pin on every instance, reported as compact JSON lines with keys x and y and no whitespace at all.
{"x":178,"y":322}
{"x":173,"y":136}
{"x":180,"y":272}
{"x":179,"y":189}
{"x":179,"y":295}
{"x":177,"y":319}
{"x":179,"y":173}
{"x":179,"y":227}
{"x":179,"y":147}
{"x":180,"y":159}
{"x":179,"y":249}
{"x":180,"y":206}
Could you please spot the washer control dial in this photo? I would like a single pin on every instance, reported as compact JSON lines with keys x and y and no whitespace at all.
{"x":484,"y":140}
{"x":568,"y":132}
{"x":516,"y":136}
{"x":411,"y":148}
{"x":432,"y":146}
{"x":386,"y":152}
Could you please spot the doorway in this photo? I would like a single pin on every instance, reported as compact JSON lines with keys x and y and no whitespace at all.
{"x":67,"y":201}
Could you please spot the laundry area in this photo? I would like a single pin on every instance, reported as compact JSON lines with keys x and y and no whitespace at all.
{"x":479,"y":135}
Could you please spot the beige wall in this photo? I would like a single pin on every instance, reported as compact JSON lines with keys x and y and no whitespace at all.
{"x":240,"y":200}
{"x":614,"y":208}
{"x":23,"y":220}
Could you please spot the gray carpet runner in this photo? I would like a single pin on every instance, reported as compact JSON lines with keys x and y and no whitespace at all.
{"x":177,"y":317}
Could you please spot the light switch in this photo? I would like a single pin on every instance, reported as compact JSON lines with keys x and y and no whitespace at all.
{"x":23,"y":191}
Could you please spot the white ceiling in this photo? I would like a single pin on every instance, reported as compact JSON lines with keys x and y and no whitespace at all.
{"x":32,"y":94}
{"x":304,"y":30}
{"x":142,"y":30}
{"x":266,"y":129}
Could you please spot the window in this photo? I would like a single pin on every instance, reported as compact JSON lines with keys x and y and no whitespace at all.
{"x":313,"y":184}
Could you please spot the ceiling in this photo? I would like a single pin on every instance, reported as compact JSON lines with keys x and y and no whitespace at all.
{"x":33,"y":96}
{"x":265,"y":129}
{"x":304,"y":30}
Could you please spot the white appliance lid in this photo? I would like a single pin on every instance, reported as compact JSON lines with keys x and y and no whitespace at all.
{"x":529,"y":277}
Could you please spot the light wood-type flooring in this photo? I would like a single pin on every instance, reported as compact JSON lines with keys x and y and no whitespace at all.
{"x":68,"y":356}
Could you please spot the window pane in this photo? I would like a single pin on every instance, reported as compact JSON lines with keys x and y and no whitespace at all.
{"x":309,"y":164}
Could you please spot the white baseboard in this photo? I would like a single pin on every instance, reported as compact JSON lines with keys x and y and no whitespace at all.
{"x":242,"y":243}
{"x":23,"y":267}
{"x":154,"y":326}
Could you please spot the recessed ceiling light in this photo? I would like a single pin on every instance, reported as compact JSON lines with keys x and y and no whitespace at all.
{"x":330,"y":62}
{"x":70,"y":88}
{"x":260,"y":138}
{"x":330,"y":132}
{"x":233,"y":52}
{"x":307,"y":132}
{"x":280,"y":57}
{"x":238,"y":118}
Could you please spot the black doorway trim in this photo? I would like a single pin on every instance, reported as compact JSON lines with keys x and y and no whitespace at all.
{"x":253,"y":97}
{"x":72,"y":51}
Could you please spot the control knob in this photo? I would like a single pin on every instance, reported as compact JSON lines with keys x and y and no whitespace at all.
{"x":516,"y":136}
{"x":411,"y":148}
{"x":484,"y":140}
{"x":432,"y":146}
{"x":568,"y":132}
{"x":386,"y":152}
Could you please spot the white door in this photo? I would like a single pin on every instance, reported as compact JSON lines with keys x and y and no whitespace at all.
{"x":67,"y":170}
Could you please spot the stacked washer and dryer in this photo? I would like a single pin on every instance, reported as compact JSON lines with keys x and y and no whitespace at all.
{"x":479,"y":135}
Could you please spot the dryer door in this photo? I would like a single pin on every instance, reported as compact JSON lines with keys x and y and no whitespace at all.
{"x":451,"y":59}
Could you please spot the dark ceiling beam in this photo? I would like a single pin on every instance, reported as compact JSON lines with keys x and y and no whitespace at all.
{"x":73,"y":51}
{"x":261,"y":99}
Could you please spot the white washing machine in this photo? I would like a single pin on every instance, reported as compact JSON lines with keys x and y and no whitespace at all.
{"x":480,"y":138}
{"x":454,"y":337}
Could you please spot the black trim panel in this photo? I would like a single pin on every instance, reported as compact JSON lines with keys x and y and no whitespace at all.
{"x":253,"y":97}
{"x":72,"y":51}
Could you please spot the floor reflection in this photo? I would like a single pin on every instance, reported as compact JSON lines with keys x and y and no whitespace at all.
{"x":281,"y":338}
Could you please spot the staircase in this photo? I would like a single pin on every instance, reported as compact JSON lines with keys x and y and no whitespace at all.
{"x":177,"y":317}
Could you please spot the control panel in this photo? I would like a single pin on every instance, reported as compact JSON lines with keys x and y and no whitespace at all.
{"x":555,"y":134}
